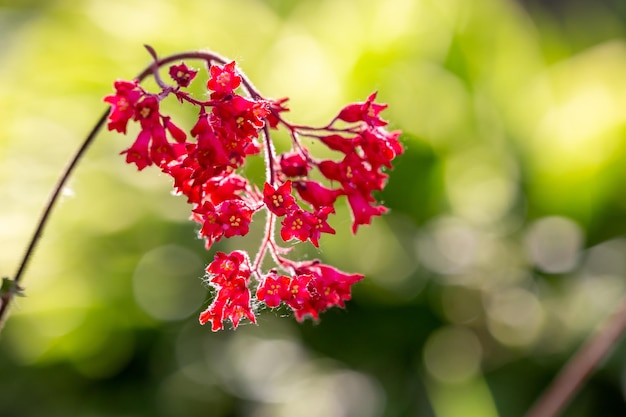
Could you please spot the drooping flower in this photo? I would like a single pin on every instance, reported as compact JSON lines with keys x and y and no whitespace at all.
{"x":123,"y":102}
{"x":367,"y":112}
{"x":274,"y":289}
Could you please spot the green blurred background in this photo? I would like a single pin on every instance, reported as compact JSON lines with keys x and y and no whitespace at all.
{"x":504,"y":248}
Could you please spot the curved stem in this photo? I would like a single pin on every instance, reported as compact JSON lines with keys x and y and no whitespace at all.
{"x":5,"y":299}
{"x":580,"y":366}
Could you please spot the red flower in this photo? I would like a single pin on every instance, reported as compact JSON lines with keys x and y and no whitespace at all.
{"x":235,"y":217}
{"x":367,"y":112}
{"x":223,"y":80}
{"x":294,"y":165}
{"x":279,"y":201}
{"x":138,"y":153}
{"x":296,"y":224}
{"x":182,"y":75}
{"x":161,"y":150}
{"x":123,"y":104}
{"x":319,"y":224}
{"x":211,"y":226}
{"x":176,"y":132}
{"x":230,"y":265}
{"x":338,"y":143}
{"x":362,"y":211}
{"x":231,"y":302}
{"x":298,"y":291}
{"x":224,"y":187}
{"x":316,"y":194}
{"x":273,"y":289}
{"x":276,"y":107}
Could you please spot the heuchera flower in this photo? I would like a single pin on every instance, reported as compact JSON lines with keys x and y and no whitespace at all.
{"x":279,"y":201}
{"x":208,"y":160}
{"x":182,"y":74}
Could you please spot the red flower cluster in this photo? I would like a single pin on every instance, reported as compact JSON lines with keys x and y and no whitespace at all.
{"x":206,"y":169}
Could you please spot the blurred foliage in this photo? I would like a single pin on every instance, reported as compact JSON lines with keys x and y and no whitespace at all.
{"x":503,"y":250}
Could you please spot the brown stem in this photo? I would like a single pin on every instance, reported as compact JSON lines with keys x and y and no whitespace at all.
{"x":580,"y":366}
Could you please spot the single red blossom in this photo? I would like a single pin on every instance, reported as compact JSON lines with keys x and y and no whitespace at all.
{"x":182,"y":74}
{"x":338,"y":143}
{"x":274,"y":289}
{"x":296,"y":224}
{"x":161,"y":151}
{"x":279,"y":201}
{"x":319,"y":225}
{"x":362,"y":211}
{"x":293,"y":164}
{"x":147,"y":111}
{"x":241,"y":118}
{"x":366,"y":112}
{"x":123,"y":103}
{"x":235,"y":217}
{"x":231,"y":302}
{"x":139,"y":153}
{"x":316,"y":194}
{"x":238,"y":308}
{"x":177,"y":133}
{"x":224,"y":80}
{"x":212,"y":229}
{"x":329,"y":287}
{"x":332,"y":170}
{"x":233,"y":264}
{"x":299,"y":290}
{"x":214,"y":314}
{"x":379,"y":146}
{"x":224,"y":187}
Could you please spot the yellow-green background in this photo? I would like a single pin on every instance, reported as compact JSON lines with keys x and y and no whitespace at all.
{"x":504,"y":248}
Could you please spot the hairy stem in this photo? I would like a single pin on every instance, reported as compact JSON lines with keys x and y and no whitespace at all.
{"x":580,"y":366}
{"x":6,"y":299}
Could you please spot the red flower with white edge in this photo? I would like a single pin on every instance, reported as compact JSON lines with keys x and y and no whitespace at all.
{"x":299,"y":291}
{"x":296,"y":224}
{"x":274,"y":289}
{"x":211,"y":229}
{"x":233,"y":264}
{"x":279,"y":201}
{"x":147,"y":112}
{"x":235,"y":217}
{"x":231,"y":302}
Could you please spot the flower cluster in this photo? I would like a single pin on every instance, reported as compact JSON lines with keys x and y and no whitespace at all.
{"x":233,"y":123}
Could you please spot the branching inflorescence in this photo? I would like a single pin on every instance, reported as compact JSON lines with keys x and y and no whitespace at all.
{"x":207,"y":170}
